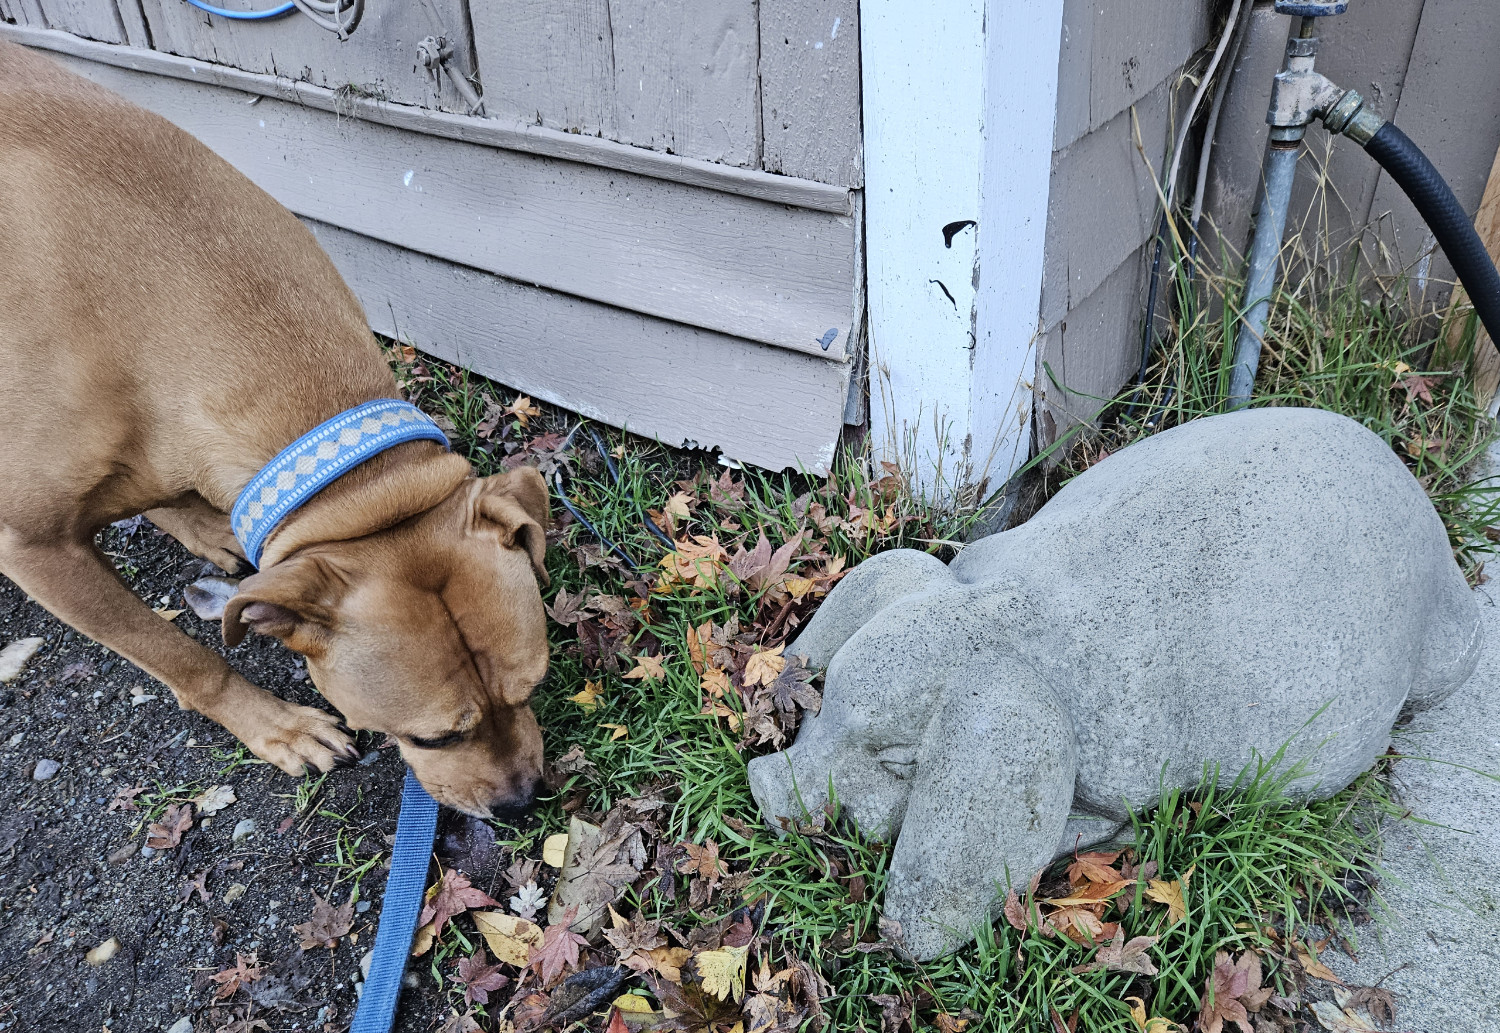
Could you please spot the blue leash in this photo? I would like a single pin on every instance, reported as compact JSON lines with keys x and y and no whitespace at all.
{"x":402,"y":903}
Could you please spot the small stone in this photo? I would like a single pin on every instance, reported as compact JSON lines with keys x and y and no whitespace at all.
{"x":148,"y":852}
{"x":243,"y":830}
{"x":102,"y":953}
{"x":409,"y":980}
{"x":125,"y":852}
{"x":182,"y":1025}
{"x":144,"y":697}
{"x":369,"y":758}
{"x":235,"y":892}
{"x":45,"y":769}
{"x":361,"y":907}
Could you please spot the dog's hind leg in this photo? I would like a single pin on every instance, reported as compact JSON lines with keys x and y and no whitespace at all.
{"x":866,"y":590}
{"x":203,"y":530}
{"x":73,"y":581}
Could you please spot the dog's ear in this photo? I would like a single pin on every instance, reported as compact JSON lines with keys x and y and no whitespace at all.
{"x":289,"y":601}
{"x":516,"y":503}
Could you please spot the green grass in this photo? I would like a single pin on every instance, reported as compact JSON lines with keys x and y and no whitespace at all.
{"x":1265,"y":868}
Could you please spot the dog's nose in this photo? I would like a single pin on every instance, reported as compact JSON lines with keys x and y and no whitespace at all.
{"x":514,"y":804}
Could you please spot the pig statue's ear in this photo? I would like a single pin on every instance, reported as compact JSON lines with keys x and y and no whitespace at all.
{"x":988,"y":805}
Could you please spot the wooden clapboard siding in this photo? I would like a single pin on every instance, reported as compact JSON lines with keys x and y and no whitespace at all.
{"x":547,"y":63}
{"x":809,"y":80}
{"x":527,"y":139}
{"x":91,"y":19}
{"x":686,"y":77}
{"x":762,"y":405}
{"x":673,"y":75}
{"x":767,"y":272}
{"x":380,"y":58}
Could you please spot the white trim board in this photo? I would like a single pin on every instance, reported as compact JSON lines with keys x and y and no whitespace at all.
{"x":960,"y":102}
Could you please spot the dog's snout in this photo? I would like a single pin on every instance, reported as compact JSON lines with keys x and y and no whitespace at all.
{"x":514,"y":804}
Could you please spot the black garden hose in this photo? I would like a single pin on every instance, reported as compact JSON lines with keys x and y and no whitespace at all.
{"x":1452,"y":228}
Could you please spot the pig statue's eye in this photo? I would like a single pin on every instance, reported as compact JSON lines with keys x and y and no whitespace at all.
{"x":900,"y":760}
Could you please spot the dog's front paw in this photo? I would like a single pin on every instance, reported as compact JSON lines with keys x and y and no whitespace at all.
{"x":301,"y":740}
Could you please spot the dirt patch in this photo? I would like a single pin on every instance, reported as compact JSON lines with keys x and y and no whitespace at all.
{"x":112,"y":727}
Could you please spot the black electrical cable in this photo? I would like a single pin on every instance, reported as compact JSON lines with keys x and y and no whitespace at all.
{"x":1450,"y":225}
{"x":614,"y":474}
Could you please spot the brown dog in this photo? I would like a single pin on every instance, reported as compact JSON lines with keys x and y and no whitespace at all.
{"x":166,"y":329}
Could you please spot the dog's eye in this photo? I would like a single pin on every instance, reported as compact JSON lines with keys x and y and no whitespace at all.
{"x":899,"y":760}
{"x":435,"y":743}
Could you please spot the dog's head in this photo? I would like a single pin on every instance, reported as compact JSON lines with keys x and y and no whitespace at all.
{"x":432,"y":631}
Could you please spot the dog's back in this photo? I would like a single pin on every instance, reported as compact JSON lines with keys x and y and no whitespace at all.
{"x":148,"y":287}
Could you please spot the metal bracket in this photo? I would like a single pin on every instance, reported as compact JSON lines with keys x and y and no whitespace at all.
{"x":435,"y":53}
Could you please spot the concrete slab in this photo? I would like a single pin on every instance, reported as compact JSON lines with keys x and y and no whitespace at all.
{"x":1443,"y":896}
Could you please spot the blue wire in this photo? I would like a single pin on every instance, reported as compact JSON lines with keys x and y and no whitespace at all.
{"x":246,"y":16}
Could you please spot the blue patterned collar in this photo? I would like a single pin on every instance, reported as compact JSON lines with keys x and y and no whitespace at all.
{"x":317,"y":459}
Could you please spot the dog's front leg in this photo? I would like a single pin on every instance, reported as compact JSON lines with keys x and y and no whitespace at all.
{"x":73,"y":581}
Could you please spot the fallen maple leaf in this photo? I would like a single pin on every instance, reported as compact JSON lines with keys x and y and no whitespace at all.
{"x":558,"y":951}
{"x":1307,"y":956}
{"x":588,"y":697}
{"x":480,"y":977}
{"x":1119,"y":956}
{"x":616,"y":731}
{"x":763,"y":666}
{"x":451,"y":895}
{"x":167,"y":833}
{"x":125,"y":798}
{"x":1170,"y":894}
{"x":723,"y":971}
{"x":327,"y":925}
{"x":214,"y":800}
{"x":1231,"y":992}
{"x":1094,"y":867}
{"x":648,"y":667}
{"x":244,"y":972}
{"x":633,"y":940}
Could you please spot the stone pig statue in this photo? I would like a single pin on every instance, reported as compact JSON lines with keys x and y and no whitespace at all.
{"x":1267,"y":578}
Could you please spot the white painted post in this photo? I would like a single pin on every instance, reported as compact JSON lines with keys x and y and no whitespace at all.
{"x":960,"y":98}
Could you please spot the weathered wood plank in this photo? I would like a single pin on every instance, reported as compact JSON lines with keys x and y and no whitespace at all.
{"x":22,"y":12}
{"x":809,"y":89}
{"x":92,"y":19}
{"x":379,"y":59}
{"x":686,"y":77}
{"x":799,"y":193}
{"x":1137,"y":45}
{"x":547,"y":63}
{"x":1485,"y":363}
{"x":761,"y":405}
{"x":1448,"y":107}
{"x":133,"y":20}
{"x":766,"y":272}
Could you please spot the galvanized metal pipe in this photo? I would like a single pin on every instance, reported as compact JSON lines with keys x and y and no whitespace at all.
{"x":1265,"y":255}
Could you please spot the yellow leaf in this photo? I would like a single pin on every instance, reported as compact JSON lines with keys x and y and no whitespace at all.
{"x":1313,"y":967}
{"x":1137,"y":1011}
{"x":632,"y":1004}
{"x":799,"y":586}
{"x":616,"y":731}
{"x":678,"y":507}
{"x":698,"y":642}
{"x":669,"y":961}
{"x":1169,"y":893}
{"x":1157,"y":1024}
{"x":588,"y":699}
{"x":555,"y":849}
{"x":763,"y":667}
{"x":510,"y":939}
{"x":718,"y":708}
{"x":167,"y":614}
{"x":648,"y":667}
{"x":422,"y":942}
{"x":723,"y":972}
{"x":715,"y":682}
